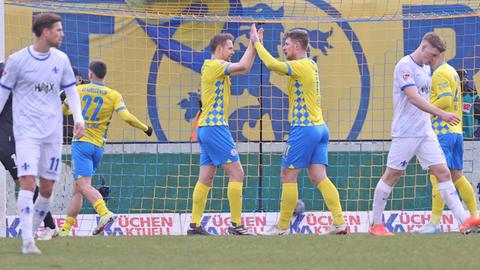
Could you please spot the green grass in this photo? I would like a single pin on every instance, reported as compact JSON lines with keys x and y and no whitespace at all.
{"x":355,"y":251}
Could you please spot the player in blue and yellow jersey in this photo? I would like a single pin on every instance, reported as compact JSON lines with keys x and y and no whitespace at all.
{"x":99,"y":103}
{"x":447,"y":95}
{"x":217,"y":147}
{"x":307,"y":143}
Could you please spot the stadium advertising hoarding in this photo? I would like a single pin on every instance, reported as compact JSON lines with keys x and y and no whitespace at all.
{"x":217,"y":223}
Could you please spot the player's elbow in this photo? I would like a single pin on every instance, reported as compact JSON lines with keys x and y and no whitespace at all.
{"x":243,"y":69}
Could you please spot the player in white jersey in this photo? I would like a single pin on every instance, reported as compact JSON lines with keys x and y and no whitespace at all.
{"x":34,"y":75}
{"x":412,"y":134}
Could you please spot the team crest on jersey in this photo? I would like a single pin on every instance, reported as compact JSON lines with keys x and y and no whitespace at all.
{"x":406,"y":76}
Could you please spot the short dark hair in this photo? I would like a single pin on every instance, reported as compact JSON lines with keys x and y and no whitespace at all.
{"x":98,"y":68}
{"x":299,"y":35}
{"x":436,"y":41}
{"x":42,"y":21}
{"x":220,"y":39}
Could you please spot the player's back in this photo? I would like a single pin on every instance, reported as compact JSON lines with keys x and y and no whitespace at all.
{"x":98,"y":104}
{"x":446,"y":82}
{"x":304,"y":93}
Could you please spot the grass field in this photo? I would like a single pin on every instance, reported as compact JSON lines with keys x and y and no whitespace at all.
{"x":355,"y":251}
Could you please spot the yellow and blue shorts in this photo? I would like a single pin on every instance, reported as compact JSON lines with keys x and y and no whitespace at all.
{"x":86,"y":158}
{"x":452,"y":146}
{"x":306,"y":145}
{"x":216,"y":145}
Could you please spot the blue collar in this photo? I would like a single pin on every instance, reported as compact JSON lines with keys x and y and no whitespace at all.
{"x":38,"y":58}
{"x":415,"y":61}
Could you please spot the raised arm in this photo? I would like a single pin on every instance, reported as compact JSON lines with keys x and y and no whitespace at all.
{"x":246,"y":62}
{"x":273,"y":64}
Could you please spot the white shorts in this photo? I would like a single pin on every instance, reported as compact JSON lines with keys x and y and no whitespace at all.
{"x":39,"y":159}
{"x":427,"y":149}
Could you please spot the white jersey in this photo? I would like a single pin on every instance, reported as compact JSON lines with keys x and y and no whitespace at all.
{"x":408,"y":120}
{"x":35,"y":80}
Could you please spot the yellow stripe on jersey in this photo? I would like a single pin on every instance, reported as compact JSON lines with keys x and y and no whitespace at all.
{"x":303,"y":87}
{"x":215,"y":93}
{"x":446,"y":95}
{"x":98,"y":104}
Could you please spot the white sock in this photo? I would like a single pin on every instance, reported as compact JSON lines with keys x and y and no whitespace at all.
{"x":41,"y":208}
{"x":448,"y":192}
{"x":25,"y":211}
{"x":382,"y":192}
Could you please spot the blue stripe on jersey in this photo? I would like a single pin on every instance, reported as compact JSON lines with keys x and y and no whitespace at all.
{"x":407,"y":85}
{"x":121,"y":109}
{"x":36,"y":58}
{"x":68,"y":85}
{"x":289,"y":72}
{"x":6,"y":87}
{"x":444,"y":95}
{"x":227,"y":69}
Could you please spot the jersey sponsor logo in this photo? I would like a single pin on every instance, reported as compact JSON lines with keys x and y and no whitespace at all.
{"x":46,"y":87}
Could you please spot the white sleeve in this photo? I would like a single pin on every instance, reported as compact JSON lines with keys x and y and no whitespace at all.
{"x":9,"y":77}
{"x":74,"y":103}
{"x":69,"y":86}
{"x":404,"y":76}
{"x":68,"y":78}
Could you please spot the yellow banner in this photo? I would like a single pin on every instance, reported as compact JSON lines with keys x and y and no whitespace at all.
{"x":155,"y":63}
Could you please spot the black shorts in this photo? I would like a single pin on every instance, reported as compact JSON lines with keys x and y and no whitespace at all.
{"x":7,"y":157}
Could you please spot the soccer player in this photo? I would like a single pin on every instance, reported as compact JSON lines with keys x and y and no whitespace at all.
{"x":307,"y":144}
{"x":469,"y":96}
{"x":217,"y":147}
{"x":34,"y":75}
{"x":446,"y":95}
{"x":99,"y":103}
{"x":7,"y":158}
{"x":412,"y":134}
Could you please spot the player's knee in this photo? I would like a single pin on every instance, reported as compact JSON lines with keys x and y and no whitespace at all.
{"x":27,"y":183}
{"x":236,"y":175}
{"x":442,"y":175}
{"x":390,"y":177}
{"x":82,"y":186}
{"x":46,"y":192}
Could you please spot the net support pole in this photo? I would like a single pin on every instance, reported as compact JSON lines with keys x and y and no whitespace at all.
{"x":260,"y":150}
{"x":3,"y":175}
